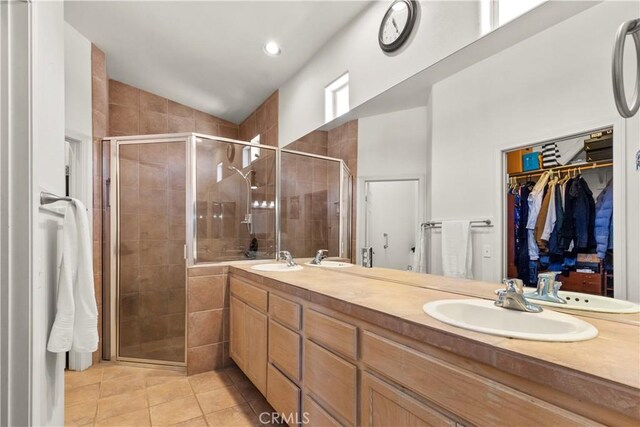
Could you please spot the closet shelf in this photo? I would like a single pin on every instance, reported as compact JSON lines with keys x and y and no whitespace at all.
{"x":578,"y":167}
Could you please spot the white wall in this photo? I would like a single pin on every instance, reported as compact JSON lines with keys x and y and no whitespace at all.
{"x":393,"y":145}
{"x":47,"y":172}
{"x":553,"y":83}
{"x":77,"y":84}
{"x":443,"y":27}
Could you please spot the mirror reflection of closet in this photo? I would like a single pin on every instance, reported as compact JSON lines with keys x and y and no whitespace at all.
{"x":560,"y":212}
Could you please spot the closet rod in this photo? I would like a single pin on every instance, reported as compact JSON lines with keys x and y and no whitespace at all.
{"x":474,"y":223}
{"x":578,"y":167}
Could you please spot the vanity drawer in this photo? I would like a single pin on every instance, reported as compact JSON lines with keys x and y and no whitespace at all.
{"x":286,"y":312}
{"x":284,"y":349}
{"x":250,"y":294}
{"x":282,"y":394}
{"x":449,"y":387}
{"x":590,"y":283}
{"x":331,"y":381}
{"x":317,"y":416}
{"x":334,"y":334}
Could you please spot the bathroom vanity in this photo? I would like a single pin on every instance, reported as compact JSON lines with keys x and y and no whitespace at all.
{"x":353,"y":347}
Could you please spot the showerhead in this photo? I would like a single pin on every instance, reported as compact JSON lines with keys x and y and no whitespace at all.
{"x":246,"y":176}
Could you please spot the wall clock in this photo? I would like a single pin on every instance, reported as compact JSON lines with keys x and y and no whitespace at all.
{"x":397,"y":24}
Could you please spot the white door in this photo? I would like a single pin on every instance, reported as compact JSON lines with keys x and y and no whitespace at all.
{"x":391,"y":221}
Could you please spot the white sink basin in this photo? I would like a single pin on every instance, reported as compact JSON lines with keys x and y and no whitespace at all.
{"x":483,"y":316}
{"x":595,"y":303}
{"x":330,"y":264}
{"x":278,"y":267}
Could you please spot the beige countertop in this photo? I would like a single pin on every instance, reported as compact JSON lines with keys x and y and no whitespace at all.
{"x":394,"y":299}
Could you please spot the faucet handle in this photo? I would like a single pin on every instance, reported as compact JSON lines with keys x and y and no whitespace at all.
{"x":556,"y":288}
{"x":514,"y":285}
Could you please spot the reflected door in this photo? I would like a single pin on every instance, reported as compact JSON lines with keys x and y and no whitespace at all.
{"x":391,"y":222}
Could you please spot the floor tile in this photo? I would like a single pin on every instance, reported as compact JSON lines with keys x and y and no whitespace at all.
{"x":138,"y":418}
{"x":237,"y":416}
{"x":85,"y":393}
{"x":219,"y":399}
{"x":194,"y":422}
{"x":208,"y":381}
{"x":248,"y":391}
{"x":159,"y":376}
{"x":116,"y":371}
{"x":175,"y":411}
{"x":121,"y":404}
{"x":73,"y":379}
{"x":168,"y":391}
{"x":236,"y":375}
{"x":124,"y":384}
{"x":80,"y":414}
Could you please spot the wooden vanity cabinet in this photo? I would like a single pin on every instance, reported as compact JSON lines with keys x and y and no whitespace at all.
{"x":249,"y":331}
{"x":386,"y":405}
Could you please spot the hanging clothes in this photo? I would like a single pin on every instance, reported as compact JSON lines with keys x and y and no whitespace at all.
{"x":604,"y":221}
{"x":535,"y":204}
{"x":522,"y":260}
{"x":550,"y":155}
{"x":551,"y":216}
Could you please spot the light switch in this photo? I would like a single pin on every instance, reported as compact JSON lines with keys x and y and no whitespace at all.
{"x":486,"y":251}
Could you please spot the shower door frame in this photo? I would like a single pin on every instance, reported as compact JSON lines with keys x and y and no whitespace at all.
{"x":114,"y":240}
{"x":112,"y":235}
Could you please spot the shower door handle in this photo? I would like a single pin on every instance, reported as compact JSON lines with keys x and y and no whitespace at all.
{"x":386,"y":240}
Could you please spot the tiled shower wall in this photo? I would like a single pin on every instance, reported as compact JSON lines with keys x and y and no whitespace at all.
{"x":339,"y":143}
{"x":100,"y":113}
{"x":263,"y":121}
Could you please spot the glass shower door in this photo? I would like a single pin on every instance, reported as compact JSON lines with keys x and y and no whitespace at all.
{"x":151,"y":237}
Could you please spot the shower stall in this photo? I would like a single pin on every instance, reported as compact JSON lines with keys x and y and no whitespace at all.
{"x":176,"y":201}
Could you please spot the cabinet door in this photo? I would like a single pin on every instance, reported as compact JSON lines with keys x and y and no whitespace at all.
{"x":385,"y":405}
{"x":237,"y":345}
{"x":255,"y":327}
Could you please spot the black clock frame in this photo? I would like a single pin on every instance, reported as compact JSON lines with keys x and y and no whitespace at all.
{"x":412,"y":7}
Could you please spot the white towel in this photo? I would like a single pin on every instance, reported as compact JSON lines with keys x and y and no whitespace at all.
{"x":456,"y":249}
{"x":419,"y":264}
{"x":76,"y":324}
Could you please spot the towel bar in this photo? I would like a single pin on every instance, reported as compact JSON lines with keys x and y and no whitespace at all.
{"x":474,"y":223}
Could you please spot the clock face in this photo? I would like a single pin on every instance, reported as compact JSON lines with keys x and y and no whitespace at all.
{"x":397,"y":25}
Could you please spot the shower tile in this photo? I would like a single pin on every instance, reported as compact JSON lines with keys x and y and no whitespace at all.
{"x":177,"y":228}
{"x":176,"y":277}
{"x":129,"y":280}
{"x":128,"y":172}
{"x":129,"y":306}
{"x":208,"y":128}
{"x":129,"y":200}
{"x":176,"y":109}
{"x":270,"y":137}
{"x":152,"y":201}
{"x":152,"y":329}
{"x":129,"y":333}
{"x":206,"y":293}
{"x":129,"y":227}
{"x":153,"y":278}
{"x":154,"y":153}
{"x":154,"y":303}
{"x":178,"y":202}
{"x":99,"y":96}
{"x":129,"y":253}
{"x":177,"y":175}
{"x":176,"y":302}
{"x":123,"y":119}
{"x":153,"y":252}
{"x":176,"y":252}
{"x":123,"y":95}
{"x":204,"y":117}
{"x":176,"y":325}
{"x":205,"y":358}
{"x":152,"y":102}
{"x":181,"y":124}
{"x":153,"y":123}
{"x":153,"y":176}
{"x":130,"y":152}
{"x":153,"y":226}
{"x":204,"y":327}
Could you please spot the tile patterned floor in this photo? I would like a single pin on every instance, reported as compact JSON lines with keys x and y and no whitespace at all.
{"x":125,"y":396}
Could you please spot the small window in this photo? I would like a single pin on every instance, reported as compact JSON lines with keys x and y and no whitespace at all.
{"x":255,"y":151}
{"x":495,"y":13}
{"x":336,"y":97}
{"x":219,"y":172}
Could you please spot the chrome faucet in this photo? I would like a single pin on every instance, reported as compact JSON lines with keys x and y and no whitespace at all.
{"x":320,"y":255}
{"x":286,"y":256}
{"x":513,"y":298}
{"x":547,"y":289}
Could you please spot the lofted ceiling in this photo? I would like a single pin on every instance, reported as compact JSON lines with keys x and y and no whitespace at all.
{"x":208,"y":55}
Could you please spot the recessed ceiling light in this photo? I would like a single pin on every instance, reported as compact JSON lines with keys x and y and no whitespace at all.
{"x":271,"y":48}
